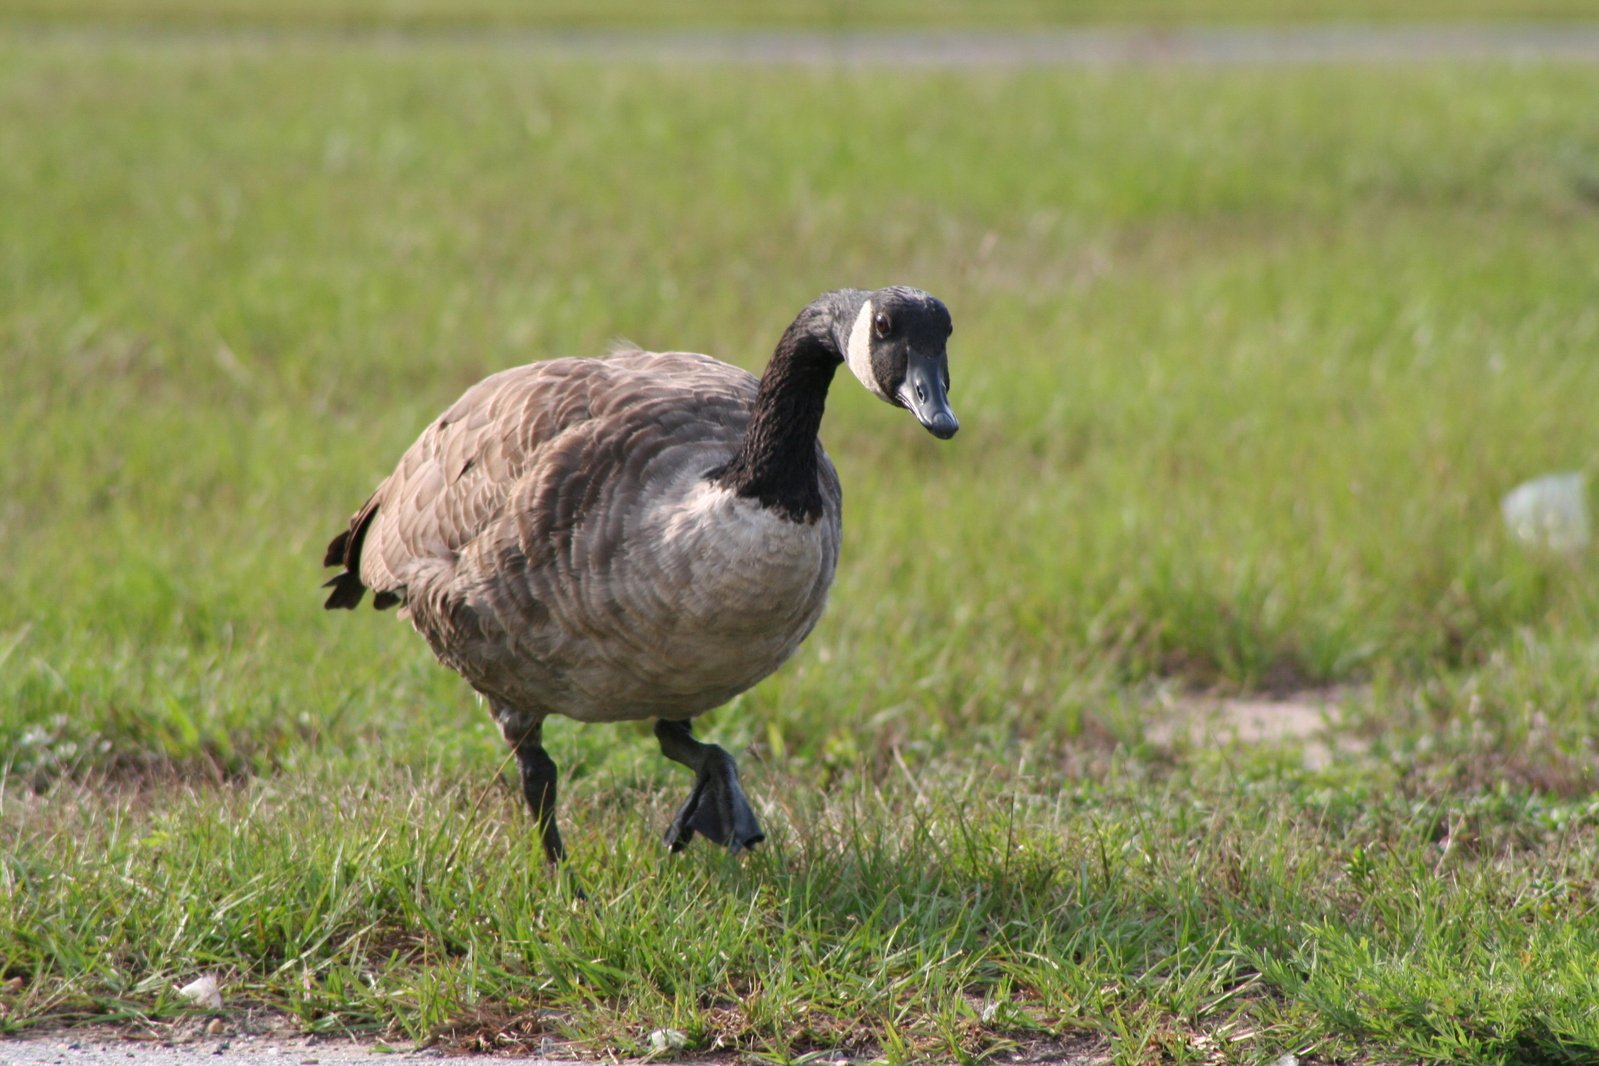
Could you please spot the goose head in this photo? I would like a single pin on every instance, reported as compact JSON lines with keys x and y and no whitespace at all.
{"x":895,"y":345}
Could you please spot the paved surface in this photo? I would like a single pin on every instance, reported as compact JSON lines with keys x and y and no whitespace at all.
{"x":103,"y":1049}
{"x":66,"y":1049}
{"x":1084,"y":46}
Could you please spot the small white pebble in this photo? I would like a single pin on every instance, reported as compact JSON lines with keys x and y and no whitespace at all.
{"x":204,"y":991}
{"x":662,"y":1040}
{"x":1289,"y":1059}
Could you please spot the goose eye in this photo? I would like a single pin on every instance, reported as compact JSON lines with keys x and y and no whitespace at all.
{"x":881,"y":325}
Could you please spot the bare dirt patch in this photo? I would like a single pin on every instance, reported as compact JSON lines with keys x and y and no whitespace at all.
{"x":1307,"y":721}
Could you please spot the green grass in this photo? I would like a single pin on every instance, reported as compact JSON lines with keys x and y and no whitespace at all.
{"x":1244,"y":361}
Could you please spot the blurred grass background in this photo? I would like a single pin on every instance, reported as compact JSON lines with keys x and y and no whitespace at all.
{"x":1244,"y":360}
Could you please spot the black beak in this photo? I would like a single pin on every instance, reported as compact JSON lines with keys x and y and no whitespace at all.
{"x":924,"y":394}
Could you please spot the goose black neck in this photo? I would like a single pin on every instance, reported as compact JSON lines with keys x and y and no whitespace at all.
{"x":777,"y":463}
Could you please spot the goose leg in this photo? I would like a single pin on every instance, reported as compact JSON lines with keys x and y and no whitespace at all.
{"x":717,"y":808}
{"x":538,"y":775}
{"x":538,"y":785}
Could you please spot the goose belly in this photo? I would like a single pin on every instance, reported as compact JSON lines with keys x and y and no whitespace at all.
{"x":713,"y":594}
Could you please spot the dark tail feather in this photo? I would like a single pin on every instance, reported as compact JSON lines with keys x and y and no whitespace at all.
{"x":347,"y":591}
{"x":347,"y":587}
{"x":336,"y":549}
{"x":345,"y":550}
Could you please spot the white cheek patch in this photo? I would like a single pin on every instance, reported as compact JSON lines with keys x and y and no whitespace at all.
{"x":859,"y":355}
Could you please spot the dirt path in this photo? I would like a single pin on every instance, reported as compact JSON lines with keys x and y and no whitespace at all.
{"x":1081,"y":46}
{"x":1096,"y":46}
{"x":66,"y":1049}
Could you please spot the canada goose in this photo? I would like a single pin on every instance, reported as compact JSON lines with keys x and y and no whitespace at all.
{"x":644,"y":535}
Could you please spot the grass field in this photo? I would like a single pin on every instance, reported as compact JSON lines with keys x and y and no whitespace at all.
{"x":1244,"y":362}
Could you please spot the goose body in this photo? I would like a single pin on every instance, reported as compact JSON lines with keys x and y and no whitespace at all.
{"x":555,"y":539}
{"x":640,"y":536}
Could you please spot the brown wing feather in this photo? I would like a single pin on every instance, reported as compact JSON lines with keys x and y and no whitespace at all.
{"x":520,"y":432}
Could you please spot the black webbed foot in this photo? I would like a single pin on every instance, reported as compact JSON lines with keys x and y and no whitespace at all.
{"x":717,"y":809}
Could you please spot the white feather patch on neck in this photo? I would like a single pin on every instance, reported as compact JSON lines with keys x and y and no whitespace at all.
{"x":859,"y":356}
